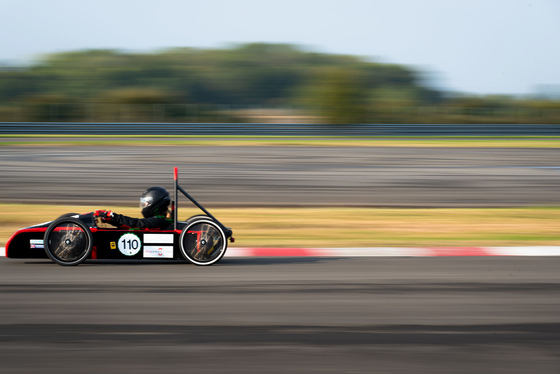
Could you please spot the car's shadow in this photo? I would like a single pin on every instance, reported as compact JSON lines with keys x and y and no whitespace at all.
{"x":232,"y":261}
{"x":276,"y":260}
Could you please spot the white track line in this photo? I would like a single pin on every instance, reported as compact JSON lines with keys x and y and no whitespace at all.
{"x":386,"y":252}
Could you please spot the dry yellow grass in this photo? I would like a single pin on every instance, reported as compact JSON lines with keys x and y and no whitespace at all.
{"x":348,"y":227}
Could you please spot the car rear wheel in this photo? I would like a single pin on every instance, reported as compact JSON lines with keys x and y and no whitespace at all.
{"x":202,"y":241}
{"x":68,"y":241}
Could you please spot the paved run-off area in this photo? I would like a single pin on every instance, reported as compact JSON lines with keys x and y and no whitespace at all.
{"x":466,"y":314}
{"x":285,"y":175}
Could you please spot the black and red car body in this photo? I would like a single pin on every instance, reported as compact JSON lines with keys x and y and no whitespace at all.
{"x":74,"y":238}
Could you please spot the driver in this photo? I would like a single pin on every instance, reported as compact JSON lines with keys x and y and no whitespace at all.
{"x":155,"y":209}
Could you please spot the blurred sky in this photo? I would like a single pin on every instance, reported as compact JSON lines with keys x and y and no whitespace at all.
{"x":471,"y":46}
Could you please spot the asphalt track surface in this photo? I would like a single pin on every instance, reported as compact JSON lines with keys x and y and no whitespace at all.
{"x":269,"y":175}
{"x":283,"y":315}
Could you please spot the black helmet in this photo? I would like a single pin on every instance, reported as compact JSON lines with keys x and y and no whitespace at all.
{"x":154,"y":200}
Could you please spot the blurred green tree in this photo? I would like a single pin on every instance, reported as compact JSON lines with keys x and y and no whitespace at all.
{"x":341,"y":97}
{"x":193,"y":83}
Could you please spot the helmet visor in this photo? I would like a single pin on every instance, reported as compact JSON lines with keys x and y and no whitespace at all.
{"x":146,"y":201}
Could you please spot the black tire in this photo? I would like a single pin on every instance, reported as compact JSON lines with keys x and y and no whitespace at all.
{"x":198,"y":216}
{"x":202,"y":241}
{"x":68,"y":241}
{"x":226,"y":230}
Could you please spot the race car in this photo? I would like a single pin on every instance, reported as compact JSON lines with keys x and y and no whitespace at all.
{"x":73,"y":238}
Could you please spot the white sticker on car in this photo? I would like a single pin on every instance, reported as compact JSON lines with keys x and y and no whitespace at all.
{"x":36,"y":243}
{"x":129,"y":244}
{"x":158,"y":251}
{"x":158,"y":238}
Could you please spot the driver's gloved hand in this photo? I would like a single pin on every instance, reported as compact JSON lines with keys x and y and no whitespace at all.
{"x":105,"y":215}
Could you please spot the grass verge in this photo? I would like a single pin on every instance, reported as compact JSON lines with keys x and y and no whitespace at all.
{"x":347,"y":227}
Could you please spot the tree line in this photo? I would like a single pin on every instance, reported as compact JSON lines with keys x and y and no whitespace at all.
{"x":246,"y":83}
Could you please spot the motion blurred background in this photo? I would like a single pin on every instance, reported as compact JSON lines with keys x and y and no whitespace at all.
{"x":118,"y":70}
{"x":291,"y":62}
{"x":321,"y":69}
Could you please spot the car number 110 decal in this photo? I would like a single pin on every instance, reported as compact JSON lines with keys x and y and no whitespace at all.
{"x":129,"y":244}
